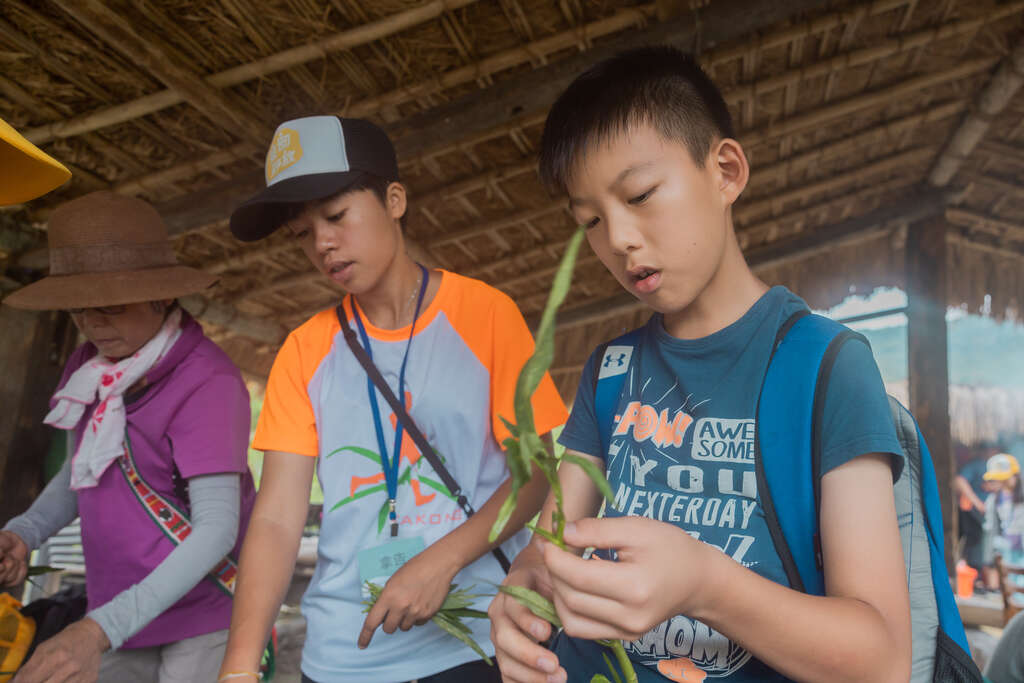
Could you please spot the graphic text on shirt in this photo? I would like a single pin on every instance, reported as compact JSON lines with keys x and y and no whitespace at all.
{"x":670,"y":460}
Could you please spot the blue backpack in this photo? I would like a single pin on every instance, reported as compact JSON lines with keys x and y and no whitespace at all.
{"x":788,"y":465}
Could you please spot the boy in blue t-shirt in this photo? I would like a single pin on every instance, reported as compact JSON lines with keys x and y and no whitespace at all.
{"x":644,"y":147}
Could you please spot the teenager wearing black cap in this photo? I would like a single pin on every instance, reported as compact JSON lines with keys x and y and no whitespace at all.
{"x":451,"y":347}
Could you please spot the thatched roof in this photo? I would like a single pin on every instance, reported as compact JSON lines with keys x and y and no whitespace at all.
{"x":977,"y":414}
{"x":857,"y":117}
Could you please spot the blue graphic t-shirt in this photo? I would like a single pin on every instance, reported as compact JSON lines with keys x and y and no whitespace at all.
{"x":682,"y":451}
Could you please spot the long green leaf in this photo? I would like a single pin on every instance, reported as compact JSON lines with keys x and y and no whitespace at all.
{"x":504,"y":514}
{"x":595,"y":474}
{"x":453,"y":631}
{"x":518,"y":462}
{"x":513,"y":429}
{"x":535,"y":602}
{"x":461,"y":597}
{"x":465,"y":612}
{"x":543,"y":533}
{"x":452,"y":621}
{"x":599,"y":678}
{"x":543,"y":352}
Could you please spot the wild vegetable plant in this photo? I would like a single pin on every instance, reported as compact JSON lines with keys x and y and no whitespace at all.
{"x":456,"y":606}
{"x":525,"y":447}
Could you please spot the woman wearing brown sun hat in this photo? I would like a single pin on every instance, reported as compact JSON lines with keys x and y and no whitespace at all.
{"x":157,"y":418}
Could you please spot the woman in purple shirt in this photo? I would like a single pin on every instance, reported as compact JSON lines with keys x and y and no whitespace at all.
{"x":157,"y":418}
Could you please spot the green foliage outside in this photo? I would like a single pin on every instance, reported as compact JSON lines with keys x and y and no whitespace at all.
{"x":316,"y":495}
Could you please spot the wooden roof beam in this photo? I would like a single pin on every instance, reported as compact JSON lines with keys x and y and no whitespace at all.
{"x":218,"y":201}
{"x":1000,"y":90}
{"x":476,"y":181}
{"x":878,"y":50}
{"x":213,"y":204}
{"x":414,"y":147}
{"x":508,"y":59}
{"x":893,"y":130}
{"x":503,"y":60}
{"x":819,"y":24}
{"x":535,"y":90}
{"x":768,"y":230}
{"x":286,"y":59}
{"x":1004,"y":186}
{"x":475,"y":229}
{"x":862,"y":101}
{"x":1004,"y":152}
{"x":147,"y":51}
{"x":981,"y":222}
{"x":838,"y":180}
{"x":822,"y":24}
{"x":993,"y":249}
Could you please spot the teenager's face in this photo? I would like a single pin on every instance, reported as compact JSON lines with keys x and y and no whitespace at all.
{"x":657,"y":221}
{"x":119,"y":331}
{"x":353,"y":237}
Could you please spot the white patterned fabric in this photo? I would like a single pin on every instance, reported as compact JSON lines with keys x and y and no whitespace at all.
{"x":106,"y":380}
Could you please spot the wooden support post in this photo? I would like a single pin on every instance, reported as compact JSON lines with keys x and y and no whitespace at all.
{"x":36,"y":345}
{"x":927,"y":358}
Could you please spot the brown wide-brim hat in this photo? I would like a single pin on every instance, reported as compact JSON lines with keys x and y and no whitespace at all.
{"x":107,"y":249}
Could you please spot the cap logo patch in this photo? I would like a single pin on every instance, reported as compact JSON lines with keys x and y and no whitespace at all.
{"x":285,"y":151}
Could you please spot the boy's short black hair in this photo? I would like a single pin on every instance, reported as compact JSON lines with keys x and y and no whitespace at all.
{"x":368,"y":181}
{"x":660,"y":86}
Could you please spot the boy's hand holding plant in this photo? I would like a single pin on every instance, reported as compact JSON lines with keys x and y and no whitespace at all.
{"x":528,"y":584}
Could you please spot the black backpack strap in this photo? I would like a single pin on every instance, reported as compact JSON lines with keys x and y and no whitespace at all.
{"x":410,"y":427}
{"x":828,"y":361}
{"x":764,"y":491}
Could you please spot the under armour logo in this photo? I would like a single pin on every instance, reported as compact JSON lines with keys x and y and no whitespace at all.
{"x":616,"y":361}
{"x":620,"y":361}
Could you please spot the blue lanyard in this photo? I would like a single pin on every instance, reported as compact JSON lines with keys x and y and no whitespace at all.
{"x":390,"y":465}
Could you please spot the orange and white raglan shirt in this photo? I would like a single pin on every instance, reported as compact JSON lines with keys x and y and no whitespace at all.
{"x":469,"y":345}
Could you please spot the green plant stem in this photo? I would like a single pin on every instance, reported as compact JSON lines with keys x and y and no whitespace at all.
{"x":558,"y":520}
{"x":624,"y":662}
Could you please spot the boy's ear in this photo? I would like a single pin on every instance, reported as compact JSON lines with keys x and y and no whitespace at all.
{"x":396,"y":201}
{"x":733,"y":169}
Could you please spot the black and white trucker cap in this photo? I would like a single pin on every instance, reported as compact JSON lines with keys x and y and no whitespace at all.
{"x":313,"y":158}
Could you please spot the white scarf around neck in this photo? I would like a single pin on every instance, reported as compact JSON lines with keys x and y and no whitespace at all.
{"x":105,"y":380}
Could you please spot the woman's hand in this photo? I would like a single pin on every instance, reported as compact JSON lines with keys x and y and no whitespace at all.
{"x":661,"y":572}
{"x":412,"y":595}
{"x":13,"y":559}
{"x":71,"y":656}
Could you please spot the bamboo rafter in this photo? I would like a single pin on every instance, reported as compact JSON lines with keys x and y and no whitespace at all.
{"x":149,"y":53}
{"x":979,"y":222}
{"x":259,"y":68}
{"x":501,"y":61}
{"x":1007,"y":80}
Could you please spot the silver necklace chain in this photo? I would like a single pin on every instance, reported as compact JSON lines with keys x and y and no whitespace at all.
{"x":415,"y":290}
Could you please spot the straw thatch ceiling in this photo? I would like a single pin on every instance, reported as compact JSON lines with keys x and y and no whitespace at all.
{"x":857,"y":117}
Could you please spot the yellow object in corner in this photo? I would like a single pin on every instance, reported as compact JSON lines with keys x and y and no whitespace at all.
{"x":26,"y":172}
{"x":16,"y":633}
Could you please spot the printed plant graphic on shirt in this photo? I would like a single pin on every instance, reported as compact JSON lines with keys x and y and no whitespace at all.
{"x":360,"y":487}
